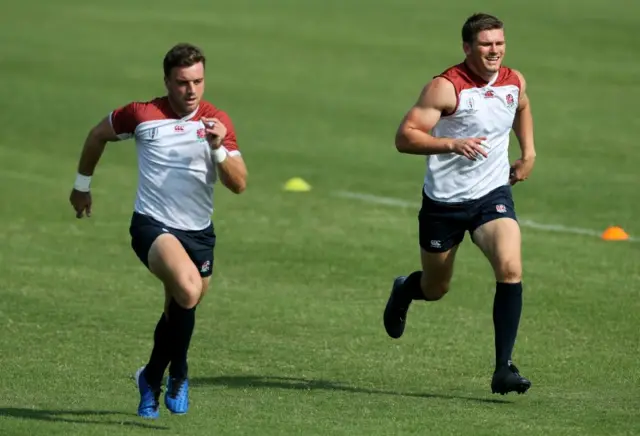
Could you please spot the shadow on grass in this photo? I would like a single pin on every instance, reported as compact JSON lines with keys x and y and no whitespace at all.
{"x":76,"y":417}
{"x":275,"y":382}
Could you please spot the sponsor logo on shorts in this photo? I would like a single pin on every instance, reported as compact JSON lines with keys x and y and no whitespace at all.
{"x":436,"y":244}
{"x":205,"y":267}
{"x":501,"y":208}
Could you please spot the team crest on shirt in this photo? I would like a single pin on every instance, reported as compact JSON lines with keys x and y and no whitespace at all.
{"x":510,"y":101}
{"x":202,"y":135}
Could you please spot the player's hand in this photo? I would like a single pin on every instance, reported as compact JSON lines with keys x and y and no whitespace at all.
{"x":470,"y":148}
{"x":216,"y":131}
{"x":520,"y":170}
{"x":81,"y":202}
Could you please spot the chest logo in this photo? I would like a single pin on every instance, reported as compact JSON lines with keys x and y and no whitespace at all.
{"x":471,"y":104}
{"x":510,"y":101}
{"x":202,"y":135}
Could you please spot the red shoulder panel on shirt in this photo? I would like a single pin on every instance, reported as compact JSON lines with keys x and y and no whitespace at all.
{"x":507,"y":77}
{"x":463,"y":78}
{"x":126,"y":118}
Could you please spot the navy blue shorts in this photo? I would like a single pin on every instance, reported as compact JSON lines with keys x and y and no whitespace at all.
{"x":443,"y":225}
{"x":198,"y":244}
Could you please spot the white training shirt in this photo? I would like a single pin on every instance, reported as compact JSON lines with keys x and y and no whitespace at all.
{"x":482,"y":109}
{"x":176,"y":172}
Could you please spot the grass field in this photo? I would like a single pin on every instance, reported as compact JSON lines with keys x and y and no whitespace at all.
{"x":289,"y":339}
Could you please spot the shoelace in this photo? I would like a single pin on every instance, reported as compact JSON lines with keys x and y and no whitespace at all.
{"x":514,"y":370}
{"x":156,"y":398}
{"x":176,"y":387}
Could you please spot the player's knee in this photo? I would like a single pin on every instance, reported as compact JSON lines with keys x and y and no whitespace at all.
{"x":188,"y":291}
{"x":435,"y":290}
{"x":509,"y":272}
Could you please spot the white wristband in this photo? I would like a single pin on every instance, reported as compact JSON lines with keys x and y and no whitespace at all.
{"x":220,"y":154}
{"x":82,"y":183}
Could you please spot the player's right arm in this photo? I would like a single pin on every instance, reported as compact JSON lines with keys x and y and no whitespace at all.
{"x":120,"y":124}
{"x":413,"y":135}
{"x":94,"y":146}
{"x":92,"y":150}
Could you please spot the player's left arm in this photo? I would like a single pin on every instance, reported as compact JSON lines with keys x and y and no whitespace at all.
{"x":224,"y":150}
{"x":233,"y":173}
{"x":523,"y":128}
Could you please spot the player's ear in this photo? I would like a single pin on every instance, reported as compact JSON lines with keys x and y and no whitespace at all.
{"x":466,"y":47}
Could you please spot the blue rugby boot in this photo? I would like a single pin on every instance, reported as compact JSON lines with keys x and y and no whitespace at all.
{"x":149,"y":406}
{"x":177,"y":396}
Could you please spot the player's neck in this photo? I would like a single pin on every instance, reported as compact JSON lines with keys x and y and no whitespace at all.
{"x":487,"y":76}
{"x":181,"y":113}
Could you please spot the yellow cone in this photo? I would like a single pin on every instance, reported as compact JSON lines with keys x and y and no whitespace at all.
{"x":297,"y":185}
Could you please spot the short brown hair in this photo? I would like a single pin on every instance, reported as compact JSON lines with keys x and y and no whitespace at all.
{"x":182,"y":55}
{"x":477,"y":23}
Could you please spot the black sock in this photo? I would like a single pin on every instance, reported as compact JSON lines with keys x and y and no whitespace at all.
{"x":181,"y":324}
{"x":507,"y":307}
{"x":160,"y":355}
{"x":411,"y":288}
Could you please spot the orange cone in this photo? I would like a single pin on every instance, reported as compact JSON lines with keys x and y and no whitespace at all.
{"x":615,"y":233}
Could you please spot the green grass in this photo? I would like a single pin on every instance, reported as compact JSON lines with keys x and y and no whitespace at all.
{"x":289,"y":339}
